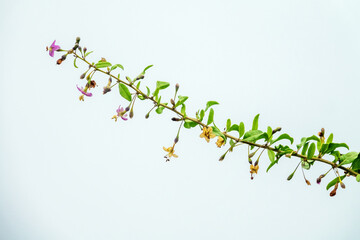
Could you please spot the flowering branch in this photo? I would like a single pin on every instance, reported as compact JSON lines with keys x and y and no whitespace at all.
{"x":310,"y":149}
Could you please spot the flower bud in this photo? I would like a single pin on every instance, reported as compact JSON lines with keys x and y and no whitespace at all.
{"x":172,"y":102}
{"x":75,"y":47}
{"x":222,"y":157}
{"x":131,"y":114}
{"x":250,"y":161}
{"x":318,"y":180}
{"x":333,"y":192}
{"x":83,"y":76}
{"x":85,"y":49}
{"x":147,"y":115}
{"x":175,"y":119}
{"x":290,"y":176}
{"x":176,"y":139}
{"x":77,"y":40}
{"x":127,"y":108}
{"x":342,"y":185}
{"x":59,"y":61}
{"x":307,"y":182}
{"x":141,"y":76}
{"x":276,"y":130}
{"x":63,"y":57}
{"x":177,"y":87}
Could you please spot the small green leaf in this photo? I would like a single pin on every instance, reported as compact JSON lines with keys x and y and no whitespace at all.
{"x":202,"y":114}
{"x":333,"y":146}
{"x":148,"y":91}
{"x":269,"y":131}
{"x":323,"y":148}
{"x":116,"y":66}
{"x":330,"y":138}
{"x":159,"y":110}
{"x":183,"y":110}
{"x":101,"y":64}
{"x":75,"y":62}
{"x":217,"y":132}
{"x":358,"y":177}
{"x":283,"y":136}
{"x":209,"y":104}
{"x":241,"y":129}
{"x":255,"y":122}
{"x":141,"y":97}
{"x":348,"y":158}
{"x":334,"y":181}
{"x":228,"y":125}
{"x":159,"y":86}
{"x":356,"y":164}
{"x":234,"y":127}
{"x":211,"y":117}
{"x":311,"y":151}
{"x":143,"y":72}
{"x":86,"y":54}
{"x":181,"y":100}
{"x":271,"y":165}
{"x":252,"y":133}
{"x":138,"y":85}
{"x":313,"y":137}
{"x":124,"y":92}
{"x":271,"y":155}
{"x":190,"y":124}
{"x":304,"y":150}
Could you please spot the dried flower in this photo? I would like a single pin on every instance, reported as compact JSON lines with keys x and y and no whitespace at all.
{"x":170,"y":151}
{"x":207,"y":133}
{"x":253,"y":169}
{"x":53,"y":48}
{"x":220,"y":142}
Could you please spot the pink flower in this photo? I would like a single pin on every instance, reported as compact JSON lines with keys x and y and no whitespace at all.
{"x":53,"y":48}
{"x":83,"y":91}
{"x":121,"y":113}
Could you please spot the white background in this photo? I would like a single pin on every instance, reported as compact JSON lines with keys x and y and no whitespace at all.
{"x":67,"y":171}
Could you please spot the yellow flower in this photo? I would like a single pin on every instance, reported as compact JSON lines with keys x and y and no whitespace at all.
{"x":81,"y":98}
{"x":170,"y":151}
{"x":254,"y":169}
{"x":220,"y":142}
{"x":207,"y":133}
{"x":114,"y":117}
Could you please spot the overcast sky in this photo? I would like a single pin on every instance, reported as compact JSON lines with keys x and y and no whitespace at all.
{"x":69,"y":172}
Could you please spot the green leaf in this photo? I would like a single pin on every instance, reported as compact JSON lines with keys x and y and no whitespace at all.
{"x":159,"y":110}
{"x":190,"y":124}
{"x":271,"y":165}
{"x":311,"y":151}
{"x":141,"y":97}
{"x":101,"y":64}
{"x":269,"y":131}
{"x":183,"y":110}
{"x":209,"y":104}
{"x":348,"y":158}
{"x":148,"y":91}
{"x":252,"y":133}
{"x":124,"y":92}
{"x":271,"y":155}
{"x":116,"y":66}
{"x":356,"y":164}
{"x":211,"y":117}
{"x":283,"y":136}
{"x":241,"y":129}
{"x":228,"y":124}
{"x":143,"y":72}
{"x":88,"y":53}
{"x":323,"y":148}
{"x":202,"y":114}
{"x":75,"y":62}
{"x":358,"y":178}
{"x":255,"y":122}
{"x":181,"y":100}
{"x":138,"y":85}
{"x":304,"y":150}
{"x":234,"y":127}
{"x":159,"y":86}
{"x":217,"y":132}
{"x":333,"y":146}
{"x":313,"y":137}
{"x":330,"y":138}
{"x":334,"y":181}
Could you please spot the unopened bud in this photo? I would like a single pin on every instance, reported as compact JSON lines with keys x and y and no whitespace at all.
{"x":141,"y":76}
{"x":342,"y":185}
{"x":63,"y":57}
{"x":75,"y":46}
{"x":147,"y":115}
{"x":307,"y":182}
{"x":85,"y":49}
{"x":175,"y":119}
{"x":77,"y":39}
{"x":318,"y":180}
{"x":250,"y":161}
{"x":290,"y":176}
{"x":131,"y":115}
{"x":222,"y":157}
{"x":333,"y":192}
{"x":177,"y":87}
{"x":251,"y":154}
{"x":176,"y":139}
{"x":82,"y":76}
{"x":59,"y":61}
{"x":79,"y":48}
{"x":127,"y":108}
{"x":276,"y":130}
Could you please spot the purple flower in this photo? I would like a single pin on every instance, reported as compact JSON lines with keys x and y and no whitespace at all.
{"x":53,"y":48}
{"x":83,"y":91}
{"x":121,"y":113}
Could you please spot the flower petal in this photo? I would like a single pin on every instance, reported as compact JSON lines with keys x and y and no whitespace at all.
{"x":51,"y":53}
